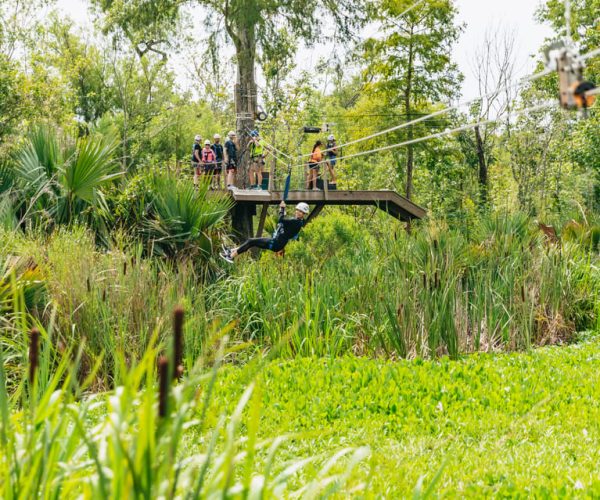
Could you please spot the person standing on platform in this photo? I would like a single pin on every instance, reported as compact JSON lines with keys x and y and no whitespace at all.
{"x":196,"y":159}
{"x":316,"y":157}
{"x":231,"y":159}
{"x":217,"y":148}
{"x":258,"y":153}
{"x":332,"y":153}
{"x":208,"y":158}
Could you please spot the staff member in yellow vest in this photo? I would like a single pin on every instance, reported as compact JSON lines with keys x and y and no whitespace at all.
{"x":258,"y":153}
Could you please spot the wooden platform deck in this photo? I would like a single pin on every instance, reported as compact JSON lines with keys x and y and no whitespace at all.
{"x":389,"y":201}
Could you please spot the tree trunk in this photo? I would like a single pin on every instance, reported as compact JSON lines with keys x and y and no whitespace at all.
{"x":243,"y":35}
{"x":483,"y":169}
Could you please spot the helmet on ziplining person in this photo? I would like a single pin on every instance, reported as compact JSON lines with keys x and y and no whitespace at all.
{"x":302,"y":207}
{"x":331,"y":137}
{"x":207,"y":142}
{"x":198,"y":138}
{"x":216,"y":136}
{"x":231,"y":134}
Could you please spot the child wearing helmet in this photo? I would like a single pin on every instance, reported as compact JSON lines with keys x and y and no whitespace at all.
{"x":217,"y":148}
{"x":208,"y":158}
{"x":287,"y":229}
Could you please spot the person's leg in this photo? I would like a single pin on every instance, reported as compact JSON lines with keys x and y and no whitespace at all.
{"x":264,"y":243}
{"x":315,"y":174}
{"x":259,"y":174}
{"x":251,"y":172}
{"x":332,"y":171}
{"x":197,"y":174}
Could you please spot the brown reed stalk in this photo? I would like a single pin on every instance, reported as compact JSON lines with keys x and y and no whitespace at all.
{"x":34,"y":353}
{"x":178,"y":316}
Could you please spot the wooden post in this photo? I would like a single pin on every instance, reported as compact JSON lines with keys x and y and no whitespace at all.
{"x":263,"y":218}
{"x":325,"y":180}
{"x":316,"y":211}
{"x":272,"y":175}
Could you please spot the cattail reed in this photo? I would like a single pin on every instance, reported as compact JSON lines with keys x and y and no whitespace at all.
{"x":163,"y":382}
{"x":104,"y":295}
{"x":34,"y":353}
{"x":124,"y":268}
{"x":88,"y":284}
{"x":178,"y":315}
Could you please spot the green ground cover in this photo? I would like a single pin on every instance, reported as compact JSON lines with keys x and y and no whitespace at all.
{"x":515,"y":425}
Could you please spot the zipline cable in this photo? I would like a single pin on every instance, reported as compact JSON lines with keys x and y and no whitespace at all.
{"x":414,"y":6}
{"x":544,"y":105}
{"x":444,"y":111}
{"x":518,"y":83}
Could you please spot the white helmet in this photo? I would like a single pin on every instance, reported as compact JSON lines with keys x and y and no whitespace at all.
{"x":331,"y":138}
{"x":302,"y":207}
{"x":231,"y":134}
{"x":198,"y":138}
{"x":216,"y":136}
{"x":207,"y":142}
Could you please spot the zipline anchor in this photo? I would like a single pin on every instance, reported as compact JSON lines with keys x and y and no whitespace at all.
{"x":575,"y":92}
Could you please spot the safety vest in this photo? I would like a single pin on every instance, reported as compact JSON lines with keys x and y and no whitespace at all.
{"x":208,"y":156}
{"x":257,"y":149}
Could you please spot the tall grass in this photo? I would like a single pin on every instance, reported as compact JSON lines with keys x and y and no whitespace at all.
{"x":432,"y":293}
{"x":340,"y":289}
{"x":60,"y":440}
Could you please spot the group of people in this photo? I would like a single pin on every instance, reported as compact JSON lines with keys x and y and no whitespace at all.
{"x":316,"y":160}
{"x":209,"y":160}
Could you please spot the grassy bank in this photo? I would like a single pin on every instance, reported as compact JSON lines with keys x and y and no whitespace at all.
{"x":501,"y":425}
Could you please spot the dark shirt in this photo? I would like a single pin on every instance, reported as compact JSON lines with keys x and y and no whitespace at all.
{"x":195,"y":147}
{"x":287,"y":229}
{"x":231,"y":150}
{"x":331,"y":145}
{"x":218,"y":149}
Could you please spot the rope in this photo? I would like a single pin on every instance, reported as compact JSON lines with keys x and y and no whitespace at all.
{"x":439,"y":134}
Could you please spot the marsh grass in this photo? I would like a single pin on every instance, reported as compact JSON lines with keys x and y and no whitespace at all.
{"x":61,"y":440}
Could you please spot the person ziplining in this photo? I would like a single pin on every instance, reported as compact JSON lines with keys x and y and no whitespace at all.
{"x":287,"y":229}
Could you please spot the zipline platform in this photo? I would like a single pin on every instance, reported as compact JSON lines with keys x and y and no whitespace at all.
{"x":389,"y":201}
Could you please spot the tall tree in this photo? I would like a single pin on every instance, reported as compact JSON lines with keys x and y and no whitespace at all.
{"x":251,"y":25}
{"x":493,"y":65}
{"x":411,"y":64}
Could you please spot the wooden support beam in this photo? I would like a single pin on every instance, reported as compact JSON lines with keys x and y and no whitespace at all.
{"x":263,"y":218}
{"x":316,"y":211}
